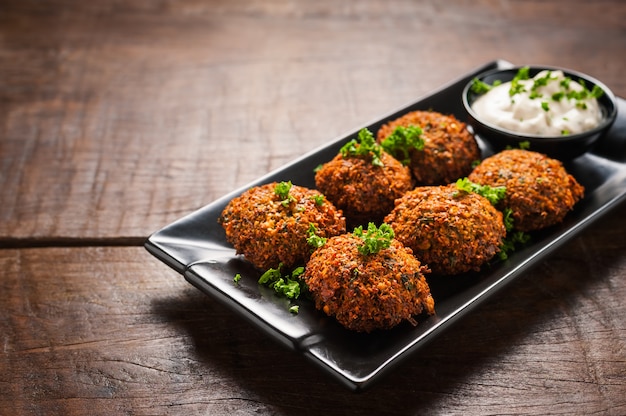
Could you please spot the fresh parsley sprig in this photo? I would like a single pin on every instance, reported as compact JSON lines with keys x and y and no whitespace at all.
{"x":521,"y":75}
{"x":514,"y":238}
{"x":493,"y":194}
{"x":313,"y":239}
{"x":282,"y":190}
{"x":288,"y":285}
{"x":481,"y":87}
{"x":375,"y":238}
{"x":402,"y":140}
{"x":365,"y":146}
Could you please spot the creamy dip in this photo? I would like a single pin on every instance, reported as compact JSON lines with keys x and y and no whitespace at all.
{"x":549,"y":104}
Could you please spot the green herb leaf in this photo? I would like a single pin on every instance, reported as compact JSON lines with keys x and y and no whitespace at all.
{"x":366,"y":146}
{"x":400,"y":142}
{"x":493,"y":194}
{"x":282,"y":190}
{"x":297,"y":272}
{"x":513,"y":238}
{"x":288,"y":286}
{"x":271,"y":275}
{"x":313,"y":239}
{"x":237,"y":278}
{"x":596,"y":92}
{"x":374,"y":239}
{"x":480,"y":87}
{"x":543,"y":81}
{"x":318,"y":199}
{"x":558,"y":96}
{"x":511,"y":242}
{"x":508,"y":219}
{"x":516,"y":87}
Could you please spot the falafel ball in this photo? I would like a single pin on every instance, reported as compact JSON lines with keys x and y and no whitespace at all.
{"x":269,"y":224}
{"x":368,"y":292}
{"x":362,"y":190}
{"x":449,"y":148}
{"x":450,"y":230}
{"x":539,"y":191}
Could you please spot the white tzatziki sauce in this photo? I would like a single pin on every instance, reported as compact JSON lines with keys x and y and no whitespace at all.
{"x":549,"y":104}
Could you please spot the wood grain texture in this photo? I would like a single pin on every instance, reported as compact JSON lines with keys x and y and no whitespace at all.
{"x":118,"y":117}
{"x":111,"y":331}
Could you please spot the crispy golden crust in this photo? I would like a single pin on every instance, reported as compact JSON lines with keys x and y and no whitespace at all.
{"x":449,"y":230}
{"x":365,"y":293}
{"x":539,"y":191}
{"x":363,"y":191}
{"x":268,"y":232}
{"x":449,"y":148}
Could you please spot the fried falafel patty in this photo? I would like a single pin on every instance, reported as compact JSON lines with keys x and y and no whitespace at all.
{"x":269,"y":228}
{"x":363,"y":191}
{"x":448,"y":229}
{"x":368,"y":292}
{"x":449,"y":148}
{"x":539,"y":191}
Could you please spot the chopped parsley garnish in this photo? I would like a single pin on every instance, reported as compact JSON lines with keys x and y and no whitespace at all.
{"x":366,"y":146}
{"x":481,"y":87}
{"x":319,"y":199}
{"x":402,"y":140}
{"x":508,"y":219}
{"x":294,"y":309}
{"x":524,"y":145}
{"x":542,"y":81}
{"x":375,"y":238}
{"x":237,"y":278}
{"x":287,"y":285}
{"x":513,"y":238}
{"x":516,"y":86}
{"x":282,"y":190}
{"x":493,"y":194}
{"x":558,"y":96}
{"x":584,"y":93}
{"x":523,"y":74}
{"x":313,"y":239}
{"x":511,"y":241}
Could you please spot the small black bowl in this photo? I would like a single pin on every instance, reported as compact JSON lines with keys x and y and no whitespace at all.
{"x":559,"y":147}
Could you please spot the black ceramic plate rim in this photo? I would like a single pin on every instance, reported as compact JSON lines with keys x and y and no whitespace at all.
{"x":194,"y":254}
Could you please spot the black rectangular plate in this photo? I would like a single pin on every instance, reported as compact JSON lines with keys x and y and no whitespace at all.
{"x":196,"y":247}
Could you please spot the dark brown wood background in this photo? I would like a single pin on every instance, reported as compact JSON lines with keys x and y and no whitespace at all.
{"x":118,"y":117}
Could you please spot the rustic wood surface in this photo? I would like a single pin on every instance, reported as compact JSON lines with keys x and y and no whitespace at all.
{"x":119,"y":117}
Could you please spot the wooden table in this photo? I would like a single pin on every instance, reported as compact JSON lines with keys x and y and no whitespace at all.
{"x":119,"y":117}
